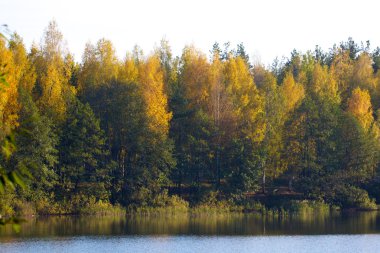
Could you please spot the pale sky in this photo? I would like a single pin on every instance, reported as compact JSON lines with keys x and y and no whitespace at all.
{"x":268,"y":28}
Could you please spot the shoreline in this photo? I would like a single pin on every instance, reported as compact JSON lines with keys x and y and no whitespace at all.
{"x":195,"y":211}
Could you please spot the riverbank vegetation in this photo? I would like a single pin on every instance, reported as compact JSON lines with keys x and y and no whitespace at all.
{"x":209,"y":132}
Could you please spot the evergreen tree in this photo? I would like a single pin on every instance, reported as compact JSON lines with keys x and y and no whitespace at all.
{"x":311,"y":138}
{"x":83,"y":167}
{"x":36,"y":148}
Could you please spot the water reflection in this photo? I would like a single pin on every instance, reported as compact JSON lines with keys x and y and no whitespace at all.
{"x":187,"y":224}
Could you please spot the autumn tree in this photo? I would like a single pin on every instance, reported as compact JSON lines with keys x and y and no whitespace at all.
{"x":99,"y":66}
{"x":323,"y":83}
{"x":151,"y":79}
{"x":342,"y":70}
{"x":248,"y":108}
{"x":52,"y":87}
{"x":363,"y":73}
{"x":275,"y":115}
{"x":359,"y":105}
{"x":293,"y":92}
{"x":129,"y":71}
{"x":364,"y":77}
{"x":126,"y":131}
{"x":25,"y":71}
{"x":9,"y":106}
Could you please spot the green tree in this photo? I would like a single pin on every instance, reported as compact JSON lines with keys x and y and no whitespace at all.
{"x":311,"y":140}
{"x":83,"y":157}
{"x":36,"y":149}
{"x":191,"y":122}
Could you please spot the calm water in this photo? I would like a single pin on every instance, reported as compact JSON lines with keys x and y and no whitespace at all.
{"x":348,"y":232}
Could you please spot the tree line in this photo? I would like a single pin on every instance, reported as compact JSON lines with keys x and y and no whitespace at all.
{"x":125,"y":131}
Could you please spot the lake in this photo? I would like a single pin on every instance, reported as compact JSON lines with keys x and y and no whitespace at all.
{"x":346,"y":232}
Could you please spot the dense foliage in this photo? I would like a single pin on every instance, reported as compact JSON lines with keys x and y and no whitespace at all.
{"x":129,"y":132}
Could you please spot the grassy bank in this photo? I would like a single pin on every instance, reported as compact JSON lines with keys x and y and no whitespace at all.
{"x":211,"y":203}
{"x":10,"y":206}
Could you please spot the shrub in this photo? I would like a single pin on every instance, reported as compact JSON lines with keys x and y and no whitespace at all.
{"x":93,"y":207}
{"x":6,"y":207}
{"x":308,"y":206}
{"x":353,"y":197}
{"x":161,"y":203}
{"x":214,"y":203}
{"x":163,"y":200}
{"x":23,"y":208}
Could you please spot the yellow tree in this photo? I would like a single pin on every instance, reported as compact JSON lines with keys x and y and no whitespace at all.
{"x":153,"y":142}
{"x":18,"y":72}
{"x":359,"y":105}
{"x":25,"y":71}
{"x":272,"y":145}
{"x":52,"y":81}
{"x":108,"y":62}
{"x":52,"y":98}
{"x":88,"y":75}
{"x":362,"y":142}
{"x":249,"y":111}
{"x":151,"y":79}
{"x":129,"y":72}
{"x":363,"y":72}
{"x":293,"y":92}
{"x":323,"y":84}
{"x":9,"y":106}
{"x":99,"y":66}
{"x":342,"y":71}
{"x":194,"y":77}
{"x":247,"y":102}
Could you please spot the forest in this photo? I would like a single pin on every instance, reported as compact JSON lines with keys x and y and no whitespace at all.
{"x":157,"y":130}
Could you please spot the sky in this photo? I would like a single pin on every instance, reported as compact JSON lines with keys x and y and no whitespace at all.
{"x":268,"y":28}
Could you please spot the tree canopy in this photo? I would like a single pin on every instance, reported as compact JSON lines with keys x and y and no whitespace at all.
{"x":127,"y":131}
